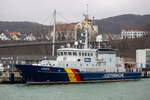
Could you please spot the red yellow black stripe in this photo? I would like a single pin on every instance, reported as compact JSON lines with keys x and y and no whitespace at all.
{"x":76,"y":74}
{"x":73,"y":75}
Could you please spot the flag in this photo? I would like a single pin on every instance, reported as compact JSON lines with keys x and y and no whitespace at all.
{"x":89,"y":21}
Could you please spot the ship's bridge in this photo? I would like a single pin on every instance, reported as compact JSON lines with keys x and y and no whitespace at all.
{"x":73,"y":57}
{"x":72,"y":54}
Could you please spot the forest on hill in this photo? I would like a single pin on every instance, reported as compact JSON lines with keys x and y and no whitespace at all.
{"x":23,"y":27}
{"x":114,"y":24}
{"x":107,"y":25}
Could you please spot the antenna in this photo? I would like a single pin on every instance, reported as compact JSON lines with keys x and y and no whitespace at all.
{"x":54,"y":30}
{"x":86,"y":35}
{"x":87,"y":12}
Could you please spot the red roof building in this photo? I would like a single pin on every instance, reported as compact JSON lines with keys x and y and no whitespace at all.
{"x":14,"y":33}
{"x":133,"y":32}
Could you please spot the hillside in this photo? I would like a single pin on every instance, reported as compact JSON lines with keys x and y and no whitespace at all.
{"x":107,"y":25}
{"x":128,"y":47}
{"x":114,"y":24}
{"x":23,"y":27}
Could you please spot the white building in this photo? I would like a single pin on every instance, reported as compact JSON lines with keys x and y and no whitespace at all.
{"x":30,"y":37}
{"x":4,"y":37}
{"x":143,"y":58}
{"x":132,"y":32}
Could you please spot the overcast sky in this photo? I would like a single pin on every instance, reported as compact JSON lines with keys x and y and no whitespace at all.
{"x":68,"y":10}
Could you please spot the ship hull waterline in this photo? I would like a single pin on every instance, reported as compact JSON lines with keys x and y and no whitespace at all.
{"x":54,"y":75}
{"x":81,"y":82}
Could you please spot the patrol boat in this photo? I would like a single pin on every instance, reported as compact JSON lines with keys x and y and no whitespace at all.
{"x":75,"y":65}
{"x":79,"y":65}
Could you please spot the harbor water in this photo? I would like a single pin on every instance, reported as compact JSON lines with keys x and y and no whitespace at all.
{"x":133,"y":90}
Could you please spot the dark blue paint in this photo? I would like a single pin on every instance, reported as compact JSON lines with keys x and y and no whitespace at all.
{"x":55,"y":74}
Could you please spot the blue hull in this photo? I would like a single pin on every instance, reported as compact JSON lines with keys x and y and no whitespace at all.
{"x":55,"y":75}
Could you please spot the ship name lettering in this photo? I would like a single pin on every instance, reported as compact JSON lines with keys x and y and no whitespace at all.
{"x":45,"y":69}
{"x":113,"y":75}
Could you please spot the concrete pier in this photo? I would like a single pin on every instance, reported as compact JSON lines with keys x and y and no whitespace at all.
{"x":5,"y":77}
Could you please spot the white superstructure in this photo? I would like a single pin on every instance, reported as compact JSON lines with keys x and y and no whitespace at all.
{"x":87,"y":60}
{"x":92,"y":60}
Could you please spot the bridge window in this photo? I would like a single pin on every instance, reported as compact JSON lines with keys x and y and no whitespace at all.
{"x":91,"y":54}
{"x":82,"y":54}
{"x":65,"y":53}
{"x":88,"y":54}
{"x":74,"y":53}
{"x":69,"y":53}
{"x":79,"y":53}
{"x":61,"y":53}
{"x":85,"y":54}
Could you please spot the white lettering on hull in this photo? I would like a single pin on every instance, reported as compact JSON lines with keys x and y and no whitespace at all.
{"x":113,"y":75}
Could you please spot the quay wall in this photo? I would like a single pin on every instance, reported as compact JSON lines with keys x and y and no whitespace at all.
{"x":5,"y":77}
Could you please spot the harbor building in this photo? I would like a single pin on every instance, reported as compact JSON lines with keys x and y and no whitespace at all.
{"x":133,"y":32}
{"x":143,"y":58}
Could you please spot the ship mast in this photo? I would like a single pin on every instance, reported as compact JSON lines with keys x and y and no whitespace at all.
{"x":54,"y":31}
{"x":86,"y":35}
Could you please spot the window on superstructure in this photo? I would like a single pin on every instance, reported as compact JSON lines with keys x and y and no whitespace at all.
{"x":74,"y":53}
{"x":85,"y":54}
{"x":91,"y":54}
{"x":79,"y":53}
{"x":88,"y":54}
{"x":82,"y":54}
{"x":69,"y":53}
{"x":61,"y":53}
{"x":65,"y":53}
